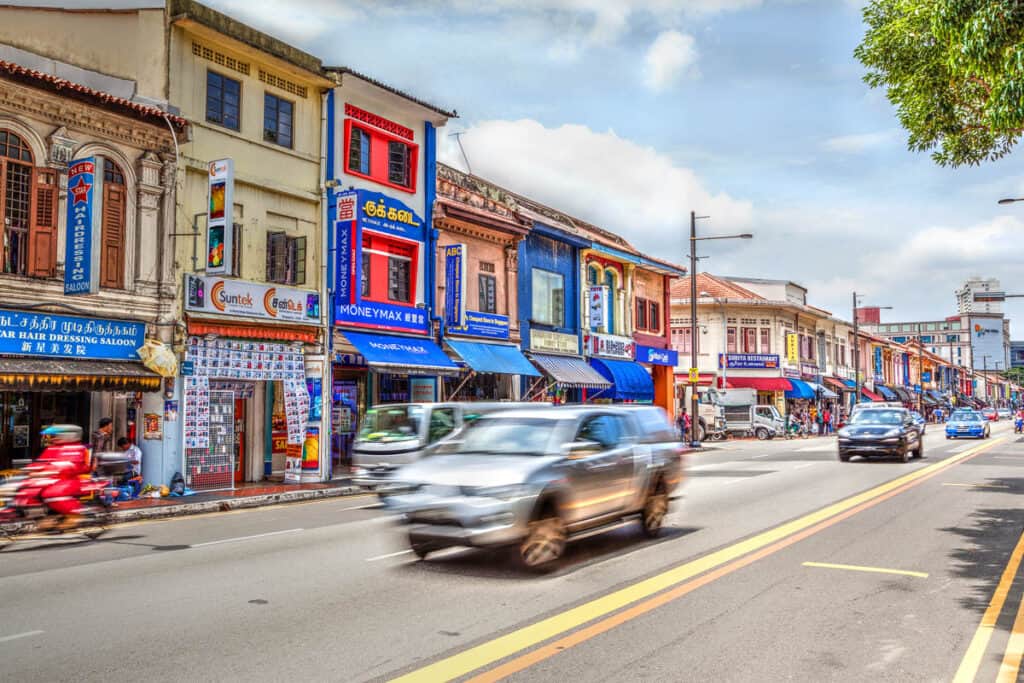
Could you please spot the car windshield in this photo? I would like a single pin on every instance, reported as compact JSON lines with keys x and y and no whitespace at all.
{"x":965,"y":416}
{"x":508,"y":436}
{"x":391,"y":423}
{"x":878,"y":417}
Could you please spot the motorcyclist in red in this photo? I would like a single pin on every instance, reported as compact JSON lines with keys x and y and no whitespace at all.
{"x":68,"y":460}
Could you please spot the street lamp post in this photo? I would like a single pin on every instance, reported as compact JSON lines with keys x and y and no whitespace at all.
{"x":694,"y":423}
{"x":920,"y":369}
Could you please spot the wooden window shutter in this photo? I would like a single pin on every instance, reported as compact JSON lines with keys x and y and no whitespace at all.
{"x":42,"y":249}
{"x":112,"y":254}
{"x":299,"y":266}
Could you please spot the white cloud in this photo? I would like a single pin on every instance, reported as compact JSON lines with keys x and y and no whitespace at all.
{"x":860,"y":143}
{"x":602,"y":178}
{"x":670,"y":56}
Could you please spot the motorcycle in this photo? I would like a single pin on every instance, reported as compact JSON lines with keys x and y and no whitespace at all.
{"x":23,"y":494}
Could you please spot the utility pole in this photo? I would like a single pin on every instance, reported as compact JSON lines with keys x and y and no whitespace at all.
{"x":856,"y":352}
{"x":920,"y":370}
{"x":694,"y":410}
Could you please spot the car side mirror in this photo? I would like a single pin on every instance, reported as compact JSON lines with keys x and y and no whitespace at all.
{"x":581,"y":449}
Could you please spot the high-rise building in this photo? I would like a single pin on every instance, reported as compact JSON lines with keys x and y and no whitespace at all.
{"x":979,"y":295}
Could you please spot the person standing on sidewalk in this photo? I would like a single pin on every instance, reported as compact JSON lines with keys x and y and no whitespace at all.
{"x":826,"y":420}
{"x":101,"y":440}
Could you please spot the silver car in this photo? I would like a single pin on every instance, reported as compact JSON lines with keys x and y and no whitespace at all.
{"x":534,"y":477}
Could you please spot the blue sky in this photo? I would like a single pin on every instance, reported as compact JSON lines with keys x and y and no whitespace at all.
{"x":629,"y":114}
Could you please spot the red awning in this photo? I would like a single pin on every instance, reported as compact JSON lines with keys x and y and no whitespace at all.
{"x":760,"y":383}
{"x":706,"y":380}
{"x":837,"y":384}
{"x":873,"y":397}
{"x":252,"y":331}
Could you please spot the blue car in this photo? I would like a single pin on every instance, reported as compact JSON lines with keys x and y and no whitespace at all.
{"x":969,"y":423}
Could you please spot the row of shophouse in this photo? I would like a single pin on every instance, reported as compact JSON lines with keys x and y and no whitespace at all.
{"x":280,"y":235}
{"x":763,"y":335}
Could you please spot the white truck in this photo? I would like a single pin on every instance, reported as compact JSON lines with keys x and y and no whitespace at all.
{"x":736,"y":411}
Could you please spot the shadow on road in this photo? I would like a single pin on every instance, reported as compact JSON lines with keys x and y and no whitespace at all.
{"x":502,"y":563}
{"x":74,"y":541}
{"x":989,"y":541}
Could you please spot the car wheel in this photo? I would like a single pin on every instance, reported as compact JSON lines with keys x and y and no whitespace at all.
{"x":948,"y":437}
{"x":844,"y":457}
{"x":905,"y":455}
{"x":761,"y":433}
{"x":919,"y":452}
{"x":544,"y":542}
{"x":419,"y":549}
{"x":655,"y":508}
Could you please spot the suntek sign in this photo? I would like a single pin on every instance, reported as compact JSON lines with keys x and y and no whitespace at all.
{"x":251,"y":299}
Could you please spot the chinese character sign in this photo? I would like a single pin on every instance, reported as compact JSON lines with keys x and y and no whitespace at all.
{"x":82,"y":249}
{"x":61,"y":336}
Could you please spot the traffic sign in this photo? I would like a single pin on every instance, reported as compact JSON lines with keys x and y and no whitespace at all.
{"x":694,"y":375}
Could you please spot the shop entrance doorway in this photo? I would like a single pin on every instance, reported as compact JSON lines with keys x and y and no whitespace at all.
{"x":240,"y":443}
{"x":25,"y":413}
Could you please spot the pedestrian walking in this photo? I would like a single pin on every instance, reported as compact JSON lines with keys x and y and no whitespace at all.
{"x":826,"y":418}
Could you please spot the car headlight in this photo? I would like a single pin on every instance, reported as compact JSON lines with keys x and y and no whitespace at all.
{"x":844,"y":432}
{"x":506,"y":492}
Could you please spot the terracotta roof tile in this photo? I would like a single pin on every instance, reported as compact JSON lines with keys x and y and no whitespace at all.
{"x":714,"y":286}
{"x":50,"y":82}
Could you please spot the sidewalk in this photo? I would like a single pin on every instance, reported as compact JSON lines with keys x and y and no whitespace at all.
{"x":245,"y":496}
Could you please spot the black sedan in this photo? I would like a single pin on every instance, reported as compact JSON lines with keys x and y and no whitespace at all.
{"x":881,"y":432}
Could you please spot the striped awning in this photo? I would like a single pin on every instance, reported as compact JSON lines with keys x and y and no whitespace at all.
{"x":571,"y":372}
{"x":53,"y":374}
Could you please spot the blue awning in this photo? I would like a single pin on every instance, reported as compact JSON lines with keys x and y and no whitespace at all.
{"x":401,"y":354}
{"x":570,"y":372}
{"x":821,"y":391}
{"x":887,"y":393}
{"x":850,"y":383}
{"x":800,"y":389}
{"x":500,"y":359}
{"x":630,"y":380}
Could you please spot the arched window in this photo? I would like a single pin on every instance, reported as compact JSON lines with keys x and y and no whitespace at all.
{"x":115,"y":202}
{"x":610,"y":280}
{"x":28,"y":210}
{"x":593,"y":274}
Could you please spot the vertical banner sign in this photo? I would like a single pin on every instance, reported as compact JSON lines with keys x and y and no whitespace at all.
{"x":878,"y":361}
{"x":219,"y":219}
{"x":85,"y":212}
{"x":598,"y":300}
{"x":455,"y":285}
{"x":792,"y":348}
{"x":345,"y":280}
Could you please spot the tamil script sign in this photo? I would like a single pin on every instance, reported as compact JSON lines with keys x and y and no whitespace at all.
{"x":85,"y":211}
{"x":61,"y":336}
{"x":222,"y":296}
{"x":748,"y":361}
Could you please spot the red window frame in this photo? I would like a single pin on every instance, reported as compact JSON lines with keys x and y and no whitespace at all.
{"x":379,"y":156}
{"x":766,"y":340}
{"x":749,"y":339}
{"x":730,"y":340}
{"x":379,"y":242}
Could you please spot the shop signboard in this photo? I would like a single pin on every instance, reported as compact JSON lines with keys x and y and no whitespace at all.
{"x":357,"y":212}
{"x":222,"y":296}
{"x":490,"y":325}
{"x":926,"y":376}
{"x":455,"y":285}
{"x":598,"y":303}
{"x":749,"y":361}
{"x":555,"y":342}
{"x":422,"y":389}
{"x":878,"y":361}
{"x":62,"y":336}
{"x":220,"y":218}
{"x":791,"y":373}
{"x":809,"y":370}
{"x":655,"y":356}
{"x":84,"y":225}
{"x":793,"y":348}
{"x":610,"y":346}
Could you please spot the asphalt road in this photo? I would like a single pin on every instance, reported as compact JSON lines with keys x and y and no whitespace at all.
{"x":328,"y":591}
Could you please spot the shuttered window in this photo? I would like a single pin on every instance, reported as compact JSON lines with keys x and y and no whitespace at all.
{"x":42,"y":249}
{"x":113,"y":234}
{"x":488,"y":286}
{"x":286,"y":259}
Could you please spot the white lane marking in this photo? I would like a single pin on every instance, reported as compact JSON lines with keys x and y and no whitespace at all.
{"x":371,"y":506}
{"x":17,"y":636}
{"x":245,"y":538}
{"x":806,"y":464}
{"x":734,"y":481}
{"x":384,"y":557}
{"x":713,"y":465}
{"x":763,"y":455}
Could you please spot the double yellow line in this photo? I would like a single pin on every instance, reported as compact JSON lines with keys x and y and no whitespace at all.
{"x":603,"y":614}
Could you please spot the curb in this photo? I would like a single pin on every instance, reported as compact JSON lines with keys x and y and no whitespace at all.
{"x":206,"y":507}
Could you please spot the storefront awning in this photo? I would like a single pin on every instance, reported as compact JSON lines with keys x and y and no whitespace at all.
{"x":800,"y":389}
{"x":886,"y":392}
{"x":821,"y":391}
{"x":850,"y":383}
{"x":937,"y":396}
{"x":405,"y":355}
{"x":871,"y":396}
{"x":569,"y":371}
{"x":837,"y":384}
{"x":760,"y":383}
{"x":929,"y":400}
{"x":630,"y":380}
{"x":501,"y":359}
{"x":241,"y":330}
{"x":38,"y":374}
{"x":903,"y":394}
